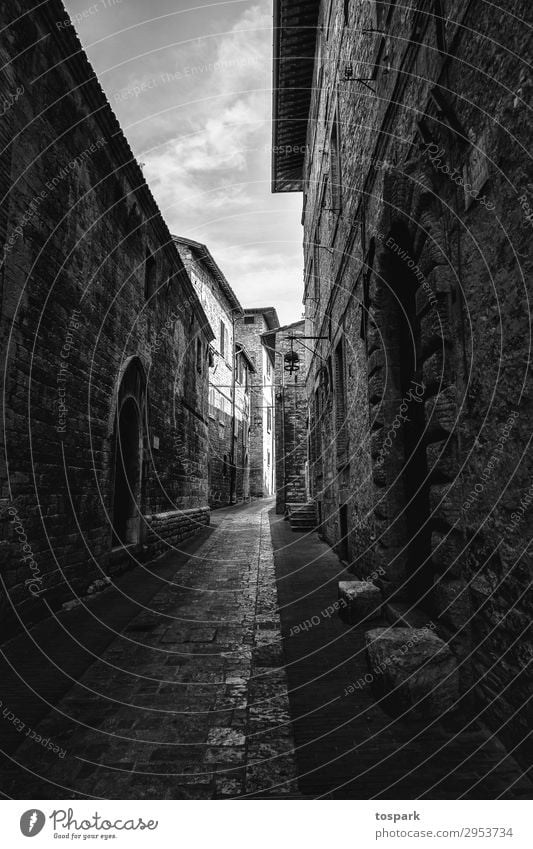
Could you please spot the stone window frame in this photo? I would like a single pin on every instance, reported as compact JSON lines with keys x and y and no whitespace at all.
{"x":223,"y":339}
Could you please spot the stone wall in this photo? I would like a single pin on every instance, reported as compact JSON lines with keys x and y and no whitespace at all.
{"x":98,"y":313}
{"x":423,"y":284}
{"x":221,"y":379}
{"x":172,"y":528}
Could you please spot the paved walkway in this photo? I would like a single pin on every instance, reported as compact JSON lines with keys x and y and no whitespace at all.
{"x":348,"y":746}
{"x":190,"y":701}
{"x":184,"y":689}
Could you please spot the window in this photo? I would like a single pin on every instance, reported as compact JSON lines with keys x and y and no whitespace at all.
{"x":269,"y":419}
{"x":241,"y":370}
{"x":269,"y":367}
{"x":149,"y":276}
{"x":346,"y":12}
{"x":199,"y":356}
{"x":223,"y":333}
{"x":249,"y":319}
{"x":268,"y":458}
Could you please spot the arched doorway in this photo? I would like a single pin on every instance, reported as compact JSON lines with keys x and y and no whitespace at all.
{"x":128,"y":453}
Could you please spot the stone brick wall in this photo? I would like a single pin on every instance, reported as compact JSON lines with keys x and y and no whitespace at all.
{"x":170,"y":529}
{"x":425,"y":288}
{"x":221,"y":376}
{"x":291,"y":422}
{"x":97,"y":312}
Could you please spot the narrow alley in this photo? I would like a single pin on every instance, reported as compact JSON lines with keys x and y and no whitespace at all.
{"x":266,"y":479}
{"x":197,"y":694}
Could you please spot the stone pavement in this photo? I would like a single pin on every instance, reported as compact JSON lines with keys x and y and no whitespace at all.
{"x":348,"y":744}
{"x":197,"y":696}
{"x":190,"y":700}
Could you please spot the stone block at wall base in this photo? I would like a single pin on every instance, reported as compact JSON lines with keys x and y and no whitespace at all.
{"x":413,"y":669}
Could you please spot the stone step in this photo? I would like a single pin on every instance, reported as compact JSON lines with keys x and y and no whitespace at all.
{"x":361,"y":600}
{"x":413,"y":671}
{"x":302,"y":516}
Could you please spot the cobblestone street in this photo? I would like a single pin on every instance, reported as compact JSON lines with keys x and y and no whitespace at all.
{"x":190,"y":701}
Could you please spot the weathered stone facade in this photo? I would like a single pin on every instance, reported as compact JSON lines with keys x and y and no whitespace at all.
{"x":291,"y":419}
{"x":105,"y":342}
{"x":229,"y":379}
{"x":255,"y":331}
{"x":412,"y":159}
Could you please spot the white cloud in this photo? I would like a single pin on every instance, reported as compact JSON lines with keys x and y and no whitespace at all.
{"x":198,"y":115}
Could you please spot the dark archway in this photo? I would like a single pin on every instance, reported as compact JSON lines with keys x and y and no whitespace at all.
{"x":402,"y":339}
{"x":128,"y":456}
{"x":127,"y":474}
{"x":401,"y":344}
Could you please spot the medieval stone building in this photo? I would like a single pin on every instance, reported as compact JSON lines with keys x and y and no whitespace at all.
{"x":410,"y":155}
{"x":230,"y":371}
{"x":255,"y":331}
{"x":104,"y":340}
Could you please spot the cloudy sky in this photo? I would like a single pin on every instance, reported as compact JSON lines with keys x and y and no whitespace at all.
{"x":190,"y":83}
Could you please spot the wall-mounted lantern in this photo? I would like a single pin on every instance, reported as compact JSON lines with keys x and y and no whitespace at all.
{"x":292,"y":362}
